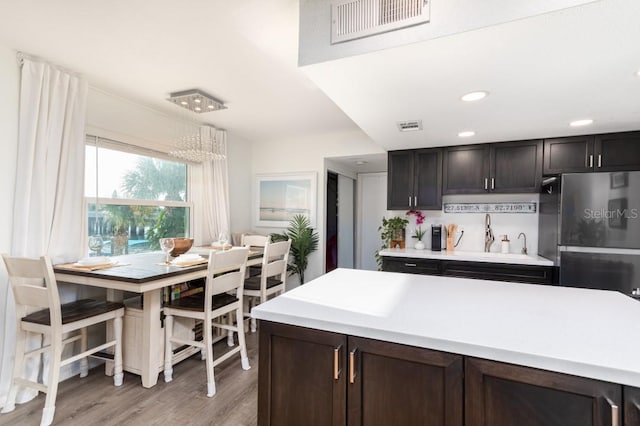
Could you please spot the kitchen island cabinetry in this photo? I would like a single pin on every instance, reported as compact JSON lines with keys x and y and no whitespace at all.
{"x":500,"y":394}
{"x":611,"y":152}
{"x":313,"y":377}
{"x":414,"y":179}
{"x":631,"y":406}
{"x":532,"y":274}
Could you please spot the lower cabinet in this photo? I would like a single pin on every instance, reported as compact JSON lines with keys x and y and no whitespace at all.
{"x":532,"y":274}
{"x":313,"y":377}
{"x":499,"y":394}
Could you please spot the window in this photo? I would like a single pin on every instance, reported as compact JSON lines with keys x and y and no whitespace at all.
{"x":141,"y":197}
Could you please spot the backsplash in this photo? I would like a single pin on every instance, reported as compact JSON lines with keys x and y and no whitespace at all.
{"x":473,"y":224}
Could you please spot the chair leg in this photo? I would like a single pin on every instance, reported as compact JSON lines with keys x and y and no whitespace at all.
{"x":168,"y":352}
{"x":230,"y":341}
{"x":118,"y":375}
{"x":208,"y":346}
{"x":84,"y":362}
{"x":18,"y":366}
{"x":244,"y":359}
{"x":52,"y":387}
{"x":254,"y":325}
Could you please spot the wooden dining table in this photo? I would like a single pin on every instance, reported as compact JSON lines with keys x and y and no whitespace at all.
{"x":146,"y":274}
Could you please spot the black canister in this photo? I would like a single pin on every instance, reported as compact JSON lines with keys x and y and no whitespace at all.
{"x":436,"y":237}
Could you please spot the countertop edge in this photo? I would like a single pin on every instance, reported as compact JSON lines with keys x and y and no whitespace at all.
{"x":465,"y":257}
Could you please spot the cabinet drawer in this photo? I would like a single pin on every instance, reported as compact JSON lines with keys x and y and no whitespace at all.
{"x":411,"y":265}
{"x":499,"y":272}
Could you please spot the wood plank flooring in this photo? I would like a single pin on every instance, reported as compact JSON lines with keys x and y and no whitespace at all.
{"x":94,"y":400}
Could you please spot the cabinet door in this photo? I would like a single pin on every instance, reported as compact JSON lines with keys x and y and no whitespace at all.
{"x":568,"y":155}
{"x":499,"y":394}
{"x":532,"y":274}
{"x":631,"y":406}
{"x":400,"y":180}
{"x":391,"y":384}
{"x":301,"y":377}
{"x":466,"y":169}
{"x":428,"y":179}
{"x":516,"y":166}
{"x":617,"y":152}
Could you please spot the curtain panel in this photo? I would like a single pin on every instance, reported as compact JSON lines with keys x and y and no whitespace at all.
{"x":49,"y":191}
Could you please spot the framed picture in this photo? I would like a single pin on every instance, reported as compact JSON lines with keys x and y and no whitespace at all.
{"x":617,"y":210}
{"x":279,"y":197}
{"x":619,"y":180}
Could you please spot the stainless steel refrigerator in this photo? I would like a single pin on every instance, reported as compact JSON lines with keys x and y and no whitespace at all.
{"x":590,"y":226}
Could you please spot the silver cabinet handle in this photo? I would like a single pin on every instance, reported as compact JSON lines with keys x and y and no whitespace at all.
{"x":590,"y":160}
{"x":410,"y":264}
{"x":493,"y":183}
{"x":409,"y":200}
{"x":352,"y":366}
{"x":615,"y":412}
{"x":336,"y":363}
{"x":599,"y":160}
{"x":486,"y":183}
{"x":415,"y":201}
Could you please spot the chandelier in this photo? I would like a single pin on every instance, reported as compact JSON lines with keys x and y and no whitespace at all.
{"x":194,"y":142}
{"x":198,"y":144}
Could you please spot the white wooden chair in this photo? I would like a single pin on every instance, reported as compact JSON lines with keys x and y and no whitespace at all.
{"x":222,"y":296}
{"x":254,"y":241}
{"x":272,"y":278}
{"x":38,"y":310}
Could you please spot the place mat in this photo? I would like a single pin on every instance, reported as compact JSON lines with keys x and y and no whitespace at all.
{"x":220,"y":247}
{"x":191,"y":263}
{"x":75,"y":267}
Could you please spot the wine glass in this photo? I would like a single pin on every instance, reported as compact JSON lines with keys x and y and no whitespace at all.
{"x":96,"y":243}
{"x":223,"y":240}
{"x":167,"y":244}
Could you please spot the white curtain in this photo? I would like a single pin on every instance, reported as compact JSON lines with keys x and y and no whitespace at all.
{"x":48,"y":208}
{"x":210,"y":193}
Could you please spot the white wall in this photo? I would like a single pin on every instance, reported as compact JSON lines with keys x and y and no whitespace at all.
{"x":305,"y":155}
{"x":474,"y":223}
{"x":9,"y":90}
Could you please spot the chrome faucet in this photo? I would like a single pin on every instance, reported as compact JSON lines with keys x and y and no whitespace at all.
{"x":488,"y":234}
{"x":524,"y":247}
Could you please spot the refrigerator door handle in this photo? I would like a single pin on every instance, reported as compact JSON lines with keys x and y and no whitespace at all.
{"x":590,"y":160}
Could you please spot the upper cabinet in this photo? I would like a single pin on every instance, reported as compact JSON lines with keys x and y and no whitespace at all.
{"x":507,"y":167}
{"x":600,"y":153}
{"x":414,"y":179}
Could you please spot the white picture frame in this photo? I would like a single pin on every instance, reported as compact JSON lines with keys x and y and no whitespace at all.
{"x":280,"y":196}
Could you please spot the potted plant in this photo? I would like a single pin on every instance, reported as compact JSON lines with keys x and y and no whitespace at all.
{"x":418,"y":233}
{"x":304,"y":241}
{"x":392,"y":234}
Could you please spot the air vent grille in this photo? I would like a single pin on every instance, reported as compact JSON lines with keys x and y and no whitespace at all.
{"x":351,"y":19}
{"x":409,"y":126}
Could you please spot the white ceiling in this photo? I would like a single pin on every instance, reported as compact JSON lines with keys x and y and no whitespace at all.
{"x":541,"y":72}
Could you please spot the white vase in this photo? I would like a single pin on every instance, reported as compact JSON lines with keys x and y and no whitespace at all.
{"x":419,"y":245}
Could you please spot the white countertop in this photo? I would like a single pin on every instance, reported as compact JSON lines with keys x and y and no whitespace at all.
{"x":469,"y":256}
{"x":589,"y":333}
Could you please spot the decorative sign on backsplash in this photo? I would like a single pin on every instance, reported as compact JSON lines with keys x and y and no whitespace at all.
{"x":520,"y":207}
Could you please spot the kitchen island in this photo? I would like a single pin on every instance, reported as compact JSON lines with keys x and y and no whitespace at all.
{"x":479,"y":342}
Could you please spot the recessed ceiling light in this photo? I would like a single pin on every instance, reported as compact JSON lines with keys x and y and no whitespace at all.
{"x":474,"y":96}
{"x":466,"y":134}
{"x":198,"y":109}
{"x":638,"y":73}
{"x":360,"y":162}
{"x":578,"y":123}
{"x":184,"y":103}
{"x":197,"y":100}
{"x":210,"y":106}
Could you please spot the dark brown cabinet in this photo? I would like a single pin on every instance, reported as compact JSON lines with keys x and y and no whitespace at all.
{"x":631,"y":406}
{"x":499,"y":394}
{"x":593,"y":153}
{"x":507,"y":167}
{"x":531,"y":274}
{"x":312,"y":377}
{"x":414,"y":179}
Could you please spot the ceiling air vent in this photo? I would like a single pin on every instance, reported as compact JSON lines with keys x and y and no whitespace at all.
{"x":410,"y":126}
{"x":351,"y":19}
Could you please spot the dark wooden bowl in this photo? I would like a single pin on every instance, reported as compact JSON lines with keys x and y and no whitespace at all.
{"x":181,"y":246}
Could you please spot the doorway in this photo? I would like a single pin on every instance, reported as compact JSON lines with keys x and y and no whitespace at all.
{"x":340,"y":222}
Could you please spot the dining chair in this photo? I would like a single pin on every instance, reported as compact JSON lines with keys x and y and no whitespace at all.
{"x":271,"y":279}
{"x":38,"y":310}
{"x":222,"y":296}
{"x":254,"y":241}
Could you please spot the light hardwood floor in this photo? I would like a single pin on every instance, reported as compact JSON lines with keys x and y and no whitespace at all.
{"x":95,"y":401}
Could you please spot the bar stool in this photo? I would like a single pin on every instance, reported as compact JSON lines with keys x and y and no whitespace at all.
{"x":35,"y":288}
